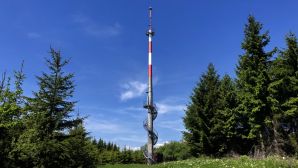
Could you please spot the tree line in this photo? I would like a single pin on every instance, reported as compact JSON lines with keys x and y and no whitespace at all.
{"x":110,"y":153}
{"x":43,"y":130}
{"x":254,"y":114}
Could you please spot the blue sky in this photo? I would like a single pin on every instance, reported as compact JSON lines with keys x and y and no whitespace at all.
{"x":106,"y":42}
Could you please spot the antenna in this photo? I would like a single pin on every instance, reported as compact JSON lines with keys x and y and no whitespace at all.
{"x":151,"y":108}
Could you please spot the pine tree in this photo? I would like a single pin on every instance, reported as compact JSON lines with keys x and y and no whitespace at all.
{"x":126,"y":156}
{"x":227,"y":118}
{"x":101,"y":145}
{"x":79,"y":149}
{"x":49,"y":118}
{"x":200,"y":115}
{"x":284,"y":97}
{"x":253,"y":81}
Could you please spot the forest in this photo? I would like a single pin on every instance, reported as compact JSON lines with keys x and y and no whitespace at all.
{"x":254,"y":114}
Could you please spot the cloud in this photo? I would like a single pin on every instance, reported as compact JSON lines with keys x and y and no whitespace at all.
{"x":139,"y":148}
{"x":103,"y":126}
{"x":91,"y":27}
{"x":101,"y":112}
{"x":161,"y":144}
{"x":33,"y":35}
{"x":132,"y":90}
{"x":132,"y":148}
{"x":164,"y":108}
{"x":175,"y":125}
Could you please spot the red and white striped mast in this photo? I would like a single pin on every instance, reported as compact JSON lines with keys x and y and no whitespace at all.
{"x":150,"y":34}
{"x":152,"y":112}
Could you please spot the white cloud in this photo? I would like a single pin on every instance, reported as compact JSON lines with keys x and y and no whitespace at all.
{"x":101,"y":112}
{"x":132,"y":90}
{"x":93,"y":28}
{"x":103,"y":126}
{"x":132,"y":148}
{"x":139,"y":148}
{"x":164,"y":108}
{"x":161,"y":144}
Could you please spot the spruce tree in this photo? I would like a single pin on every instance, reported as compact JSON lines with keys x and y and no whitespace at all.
{"x":227,"y":118}
{"x":49,"y":119}
{"x":200,"y":115}
{"x":79,"y":148}
{"x":284,"y":97}
{"x":252,"y":82}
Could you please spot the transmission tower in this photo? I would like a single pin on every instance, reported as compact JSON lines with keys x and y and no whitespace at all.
{"x":149,"y":105}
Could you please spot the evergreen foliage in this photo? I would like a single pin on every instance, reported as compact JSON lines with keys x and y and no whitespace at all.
{"x":228,"y":120}
{"x":40,"y":131}
{"x":11,"y":114}
{"x":201,"y":113}
{"x":253,"y":81}
{"x":174,"y":151}
{"x":50,"y":132}
{"x":110,"y":153}
{"x":212,"y":122}
{"x":79,"y":149}
{"x":256,"y":114}
{"x":284,"y":97}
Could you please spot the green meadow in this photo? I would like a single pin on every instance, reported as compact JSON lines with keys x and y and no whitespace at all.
{"x":241,"y":162}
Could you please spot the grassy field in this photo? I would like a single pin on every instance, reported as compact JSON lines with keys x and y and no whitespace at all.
{"x":242,"y":162}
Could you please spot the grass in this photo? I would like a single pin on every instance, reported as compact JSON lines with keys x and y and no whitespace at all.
{"x":241,"y":162}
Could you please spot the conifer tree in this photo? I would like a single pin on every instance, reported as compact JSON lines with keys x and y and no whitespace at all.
{"x":101,"y":145}
{"x":284,"y":97}
{"x":48,"y":122}
{"x":227,"y":118}
{"x":11,"y":114}
{"x":79,"y":149}
{"x":200,"y":115}
{"x":174,"y":151}
{"x":253,"y":81}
